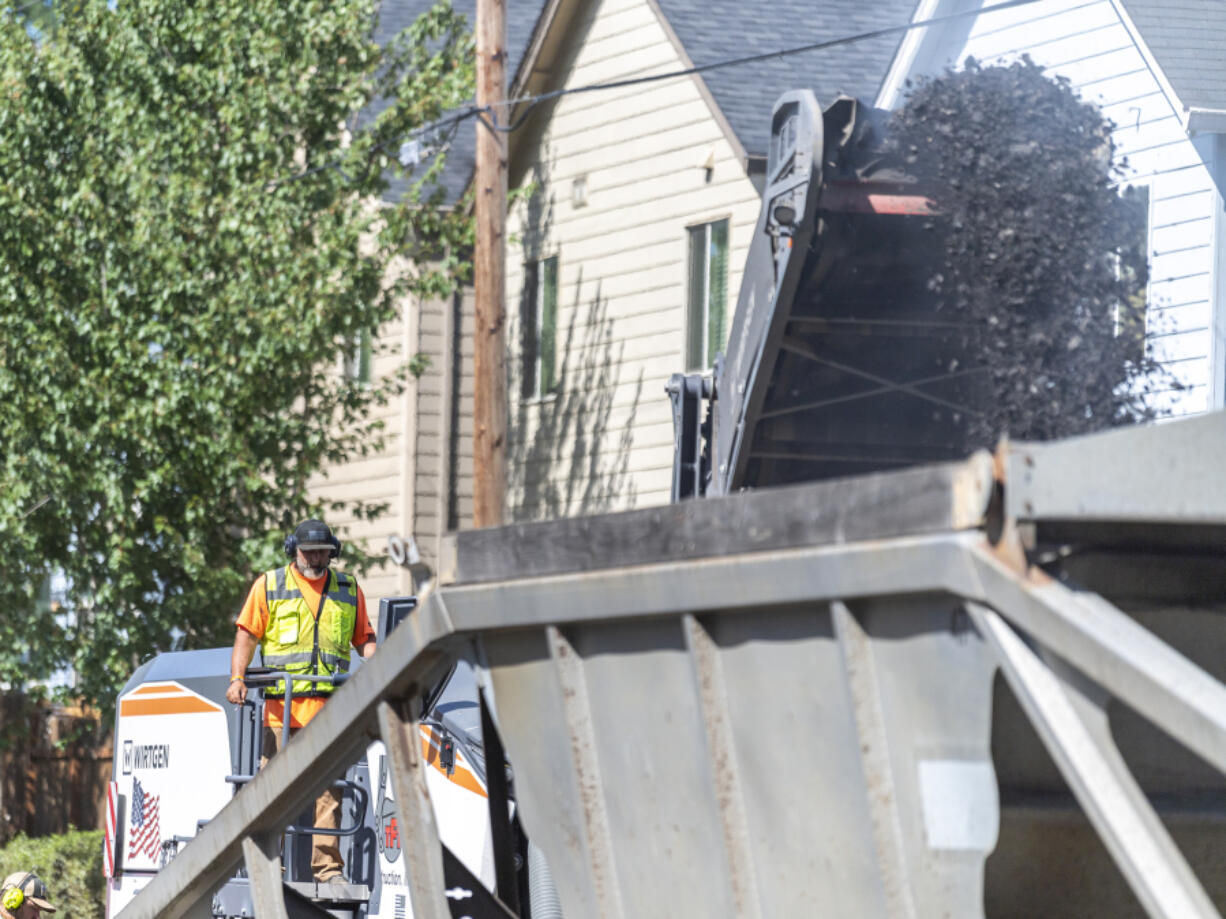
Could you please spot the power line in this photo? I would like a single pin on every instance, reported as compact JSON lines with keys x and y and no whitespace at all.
{"x":533,"y":101}
{"x":25,"y":7}
{"x":433,"y":129}
{"x":488,"y":117}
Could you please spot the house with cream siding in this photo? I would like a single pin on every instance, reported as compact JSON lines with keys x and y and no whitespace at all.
{"x":632,"y":209}
{"x":632,"y":216}
{"x":1158,"y":70}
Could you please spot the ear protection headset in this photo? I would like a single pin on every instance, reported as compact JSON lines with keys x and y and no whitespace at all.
{"x":291,"y":546}
{"x":14,"y":897}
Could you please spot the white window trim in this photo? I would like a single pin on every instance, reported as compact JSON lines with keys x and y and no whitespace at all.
{"x":706,"y":283}
{"x":1217,"y":314}
{"x":351,"y":358}
{"x":537,"y":397}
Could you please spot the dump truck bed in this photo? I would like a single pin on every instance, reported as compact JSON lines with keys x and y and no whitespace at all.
{"x":990,"y":687}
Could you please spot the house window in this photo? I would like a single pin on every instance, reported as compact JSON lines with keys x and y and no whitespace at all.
{"x":540,"y":327}
{"x":707,"y":292}
{"x":358,"y":357}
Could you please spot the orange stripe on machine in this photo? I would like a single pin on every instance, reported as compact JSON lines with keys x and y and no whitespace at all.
{"x":164,"y":699}
{"x":461,"y":775}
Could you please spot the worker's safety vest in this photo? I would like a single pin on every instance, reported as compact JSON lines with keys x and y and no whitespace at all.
{"x":296,"y":641}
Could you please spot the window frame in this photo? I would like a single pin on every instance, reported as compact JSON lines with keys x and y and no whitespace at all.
{"x":358,"y":358}
{"x":707,"y":352}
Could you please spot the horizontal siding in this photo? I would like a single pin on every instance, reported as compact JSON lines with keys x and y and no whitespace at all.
{"x":1175,"y":236}
{"x":1167,"y":212}
{"x":656,"y":207}
{"x":379,"y":478}
{"x":1048,"y":18}
{"x":651,"y":419}
{"x":1180,"y":183}
{"x":604,"y":441}
{"x":1164,"y":132}
{"x":430,"y":481}
{"x":1190,"y":400}
{"x":462,"y":438}
{"x":373,"y":479}
{"x":658,"y":98}
{"x":1185,"y":317}
{"x":648,"y":58}
{"x":1129,"y":114}
{"x":680,"y":144}
{"x":1180,"y":264}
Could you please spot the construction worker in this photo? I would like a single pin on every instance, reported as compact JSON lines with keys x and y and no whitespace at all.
{"x":24,"y":896}
{"x":305,"y":618}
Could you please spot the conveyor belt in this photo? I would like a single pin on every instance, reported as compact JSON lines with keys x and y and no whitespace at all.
{"x":840,"y":361}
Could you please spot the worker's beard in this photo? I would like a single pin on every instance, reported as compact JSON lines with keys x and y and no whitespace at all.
{"x":312,"y":573}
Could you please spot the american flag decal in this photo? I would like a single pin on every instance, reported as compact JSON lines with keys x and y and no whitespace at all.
{"x":144,"y":836}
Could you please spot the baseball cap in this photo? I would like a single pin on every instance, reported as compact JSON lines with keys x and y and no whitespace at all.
{"x":313,"y":534}
{"x":32,"y":887}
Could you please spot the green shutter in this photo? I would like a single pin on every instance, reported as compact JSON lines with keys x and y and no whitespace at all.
{"x":365,"y":356}
{"x":696,"y":292}
{"x":528,"y":330}
{"x":549,"y":325}
{"x":717,"y":287}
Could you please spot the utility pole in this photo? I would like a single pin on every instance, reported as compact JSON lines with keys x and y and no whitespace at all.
{"x":489,"y":271}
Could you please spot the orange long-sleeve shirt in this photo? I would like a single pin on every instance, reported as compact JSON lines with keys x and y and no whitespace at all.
{"x":254,"y":619}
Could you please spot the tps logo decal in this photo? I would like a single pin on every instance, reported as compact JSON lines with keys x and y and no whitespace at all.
{"x":388,"y":829}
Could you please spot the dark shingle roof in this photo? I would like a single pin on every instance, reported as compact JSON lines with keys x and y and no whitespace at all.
{"x":1188,"y":40}
{"x":712,"y":30}
{"x":395,"y":15}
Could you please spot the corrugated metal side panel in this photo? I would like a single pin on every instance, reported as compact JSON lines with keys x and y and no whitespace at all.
{"x":735,"y":763}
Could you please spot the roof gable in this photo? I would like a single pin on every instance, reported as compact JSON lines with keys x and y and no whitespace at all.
{"x":1187,"y":39}
{"x":709,"y":31}
{"x":716,"y":30}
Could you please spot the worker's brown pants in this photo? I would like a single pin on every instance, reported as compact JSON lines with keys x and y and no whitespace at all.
{"x":326,"y":861}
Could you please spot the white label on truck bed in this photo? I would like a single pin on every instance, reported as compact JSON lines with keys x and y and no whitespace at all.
{"x":961,"y":804}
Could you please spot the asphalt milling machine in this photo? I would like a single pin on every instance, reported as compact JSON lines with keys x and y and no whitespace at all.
{"x":182,"y":751}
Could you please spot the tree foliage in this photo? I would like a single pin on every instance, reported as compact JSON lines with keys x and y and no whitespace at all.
{"x":189,"y":238}
{"x":1042,"y":258}
{"x":71,"y":866}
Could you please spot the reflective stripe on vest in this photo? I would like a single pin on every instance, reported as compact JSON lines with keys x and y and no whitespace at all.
{"x":294,"y":641}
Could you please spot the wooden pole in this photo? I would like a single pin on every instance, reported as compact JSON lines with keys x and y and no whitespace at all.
{"x":489,"y":272}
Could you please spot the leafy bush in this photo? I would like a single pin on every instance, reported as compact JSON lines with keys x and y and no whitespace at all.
{"x":71,"y":864}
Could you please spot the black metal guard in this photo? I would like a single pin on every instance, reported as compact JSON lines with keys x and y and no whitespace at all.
{"x":261,"y":678}
{"x":362,"y":797}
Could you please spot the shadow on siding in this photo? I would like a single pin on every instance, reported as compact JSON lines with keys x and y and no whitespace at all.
{"x":570,"y":462}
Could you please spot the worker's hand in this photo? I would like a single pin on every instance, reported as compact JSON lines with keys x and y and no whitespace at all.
{"x":237,"y":692}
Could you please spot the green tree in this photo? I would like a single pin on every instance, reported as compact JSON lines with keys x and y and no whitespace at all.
{"x":38,"y":16}
{"x":70,"y":864}
{"x":190,"y":234}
